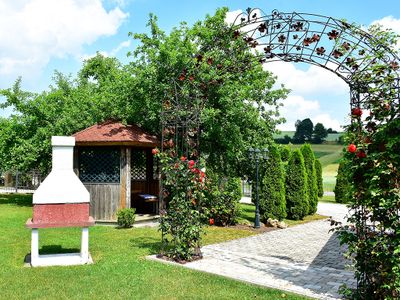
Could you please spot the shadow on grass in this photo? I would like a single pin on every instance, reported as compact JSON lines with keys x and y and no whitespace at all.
{"x":16,"y":199}
{"x":57,"y":249}
{"x":151,"y":244}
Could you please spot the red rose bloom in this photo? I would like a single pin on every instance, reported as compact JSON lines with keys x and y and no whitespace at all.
{"x":352,"y":148}
{"x":356,"y":112}
{"x":191,"y":164}
{"x":211,"y":221}
{"x":154,"y":151}
{"x":361,"y":154}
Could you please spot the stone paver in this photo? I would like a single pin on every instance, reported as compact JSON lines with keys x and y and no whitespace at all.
{"x":305,"y":259}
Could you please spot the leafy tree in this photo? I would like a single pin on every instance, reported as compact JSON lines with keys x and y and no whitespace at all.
{"x":343,"y":187}
{"x":319,"y":134}
{"x":296,"y":191}
{"x":272,"y":187}
{"x":318,"y":172}
{"x":330,"y":130}
{"x":238,"y":89}
{"x":304,"y":131}
{"x":311,"y":183}
{"x":234,"y":116}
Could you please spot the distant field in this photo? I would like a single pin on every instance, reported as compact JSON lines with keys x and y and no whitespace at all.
{"x":332,"y":137}
{"x":329,"y":156}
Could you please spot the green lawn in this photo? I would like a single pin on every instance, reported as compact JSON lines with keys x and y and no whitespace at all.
{"x":120,"y":270}
{"x":248,"y":214}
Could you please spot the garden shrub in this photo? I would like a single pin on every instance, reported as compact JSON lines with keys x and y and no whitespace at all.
{"x":126,"y":217}
{"x":272,"y":188}
{"x":296,"y":192}
{"x":343,"y":187}
{"x":320,"y":181}
{"x":181,"y":223}
{"x":222,"y":198}
{"x":311,"y":183}
{"x":285,"y":153}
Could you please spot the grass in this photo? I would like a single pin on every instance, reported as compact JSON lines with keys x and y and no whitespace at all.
{"x":330,"y":199}
{"x":248,"y":214}
{"x":120,"y":270}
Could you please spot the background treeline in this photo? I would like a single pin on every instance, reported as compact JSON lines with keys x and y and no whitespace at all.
{"x":306,"y":132}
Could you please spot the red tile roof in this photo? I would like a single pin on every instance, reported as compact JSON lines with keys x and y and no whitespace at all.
{"x":115,"y":133}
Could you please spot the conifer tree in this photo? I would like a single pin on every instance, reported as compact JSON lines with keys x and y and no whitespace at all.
{"x":320,"y":182}
{"x":342,"y":187}
{"x":296,"y":192}
{"x":311,"y":184}
{"x":272,"y":188}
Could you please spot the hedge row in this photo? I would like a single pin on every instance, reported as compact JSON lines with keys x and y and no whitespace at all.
{"x":290,"y":183}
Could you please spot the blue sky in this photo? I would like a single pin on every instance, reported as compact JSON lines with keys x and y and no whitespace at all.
{"x":39,"y":36}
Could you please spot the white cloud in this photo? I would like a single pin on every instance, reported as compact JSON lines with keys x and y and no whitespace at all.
{"x":32,"y":32}
{"x":297,"y":108}
{"x":389,"y":22}
{"x":112,"y":53}
{"x":313,"y":80}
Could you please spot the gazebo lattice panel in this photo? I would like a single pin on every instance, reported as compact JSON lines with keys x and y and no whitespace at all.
{"x":99,"y":165}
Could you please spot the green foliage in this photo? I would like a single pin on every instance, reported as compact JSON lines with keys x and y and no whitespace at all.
{"x":233,"y":118}
{"x":318,"y":174}
{"x":222,"y":198}
{"x":126,"y":217}
{"x":224,"y":69}
{"x":372,"y":238}
{"x":304,"y":131}
{"x":296,"y":192}
{"x":319,"y":134}
{"x":181,"y":223}
{"x":343,"y":186}
{"x":311,"y":182}
{"x":285,"y":153}
{"x":272,"y":188}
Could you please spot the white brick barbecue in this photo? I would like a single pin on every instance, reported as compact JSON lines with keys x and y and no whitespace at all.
{"x":61,"y":201}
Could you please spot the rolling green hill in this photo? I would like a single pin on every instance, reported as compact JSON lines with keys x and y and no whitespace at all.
{"x":332,"y":137}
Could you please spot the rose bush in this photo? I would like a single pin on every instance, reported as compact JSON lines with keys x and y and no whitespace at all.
{"x":183,"y":214}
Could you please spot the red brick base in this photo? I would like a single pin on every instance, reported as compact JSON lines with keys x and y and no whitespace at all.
{"x":60,"y":215}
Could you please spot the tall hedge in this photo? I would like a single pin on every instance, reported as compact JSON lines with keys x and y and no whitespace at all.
{"x":296,"y":192}
{"x":320,"y":182}
{"x":285,"y":153}
{"x":311,"y":184}
{"x":342,"y":186}
{"x":272,"y":187}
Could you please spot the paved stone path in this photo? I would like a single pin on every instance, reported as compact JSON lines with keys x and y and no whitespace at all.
{"x":305,"y":259}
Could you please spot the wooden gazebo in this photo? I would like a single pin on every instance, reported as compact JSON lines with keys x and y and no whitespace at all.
{"x":115,"y":163}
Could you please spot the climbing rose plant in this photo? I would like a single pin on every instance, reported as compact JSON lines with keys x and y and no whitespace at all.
{"x":373,"y":229}
{"x":182,"y":223}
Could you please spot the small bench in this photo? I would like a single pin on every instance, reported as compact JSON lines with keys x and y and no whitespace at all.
{"x":150,"y":199}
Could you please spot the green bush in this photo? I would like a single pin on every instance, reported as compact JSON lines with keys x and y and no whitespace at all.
{"x":320,"y":182}
{"x":285,"y":153}
{"x":222,"y":199}
{"x":311,"y":183}
{"x":342,"y":187}
{"x":272,"y":187}
{"x":296,"y":192}
{"x":126,"y":217}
